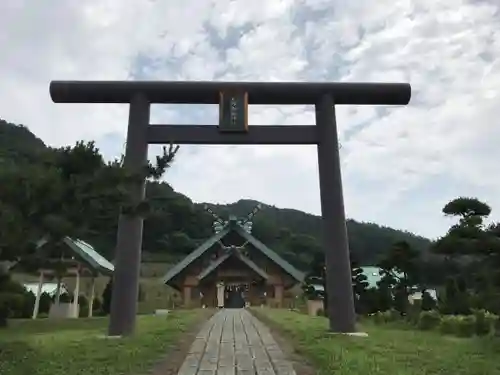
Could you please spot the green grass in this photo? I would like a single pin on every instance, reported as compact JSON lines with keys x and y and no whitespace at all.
{"x":73,"y":347}
{"x":387,"y":350}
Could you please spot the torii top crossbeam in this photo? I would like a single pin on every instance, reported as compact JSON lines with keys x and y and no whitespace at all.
{"x":202,"y":92}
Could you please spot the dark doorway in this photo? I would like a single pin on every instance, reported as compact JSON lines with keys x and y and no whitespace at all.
{"x":234,"y":298}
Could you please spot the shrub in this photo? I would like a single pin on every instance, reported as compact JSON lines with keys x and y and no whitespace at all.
{"x":456,"y":299}
{"x":429,"y":320}
{"x":106,"y":297}
{"x":381,"y":317}
{"x":413,"y":313}
{"x":447,"y":325}
{"x":482,"y":326}
{"x":496,"y":326}
{"x":83,"y":304}
{"x":97,"y":305}
{"x":65,"y":298}
{"x":427,"y":303}
{"x":45,"y":302}
{"x":465,"y":326}
{"x":394,"y":315}
{"x":141,"y":296}
{"x":4,"y":308}
{"x":82,"y":300}
{"x":24,"y":307}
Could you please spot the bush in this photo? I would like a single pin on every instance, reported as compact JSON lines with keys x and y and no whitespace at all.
{"x":9,"y":302}
{"x":45,"y":303}
{"x":4,"y":308}
{"x":65,"y":298}
{"x":97,"y":305}
{"x":141,"y":294}
{"x":448,"y":325}
{"x":83,"y":304}
{"x":106,"y":297}
{"x":25,"y":308}
{"x":491,"y":319}
{"x":456,"y":299}
{"x":465,"y":326}
{"x":381,"y":317}
{"x":482,"y":324}
{"x":427,"y":303}
{"x":496,"y":326}
{"x":429,"y":320}
{"x":413,"y":313}
{"x":82,"y":300}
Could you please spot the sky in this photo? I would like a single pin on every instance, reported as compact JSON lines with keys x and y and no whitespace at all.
{"x":400,"y":165}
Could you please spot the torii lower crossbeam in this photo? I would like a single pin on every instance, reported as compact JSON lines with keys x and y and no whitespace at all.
{"x":324,"y":95}
{"x":256,"y":135}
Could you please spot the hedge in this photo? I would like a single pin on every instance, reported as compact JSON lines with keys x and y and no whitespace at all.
{"x":480,"y":323}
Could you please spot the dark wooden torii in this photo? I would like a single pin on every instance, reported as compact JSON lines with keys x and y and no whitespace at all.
{"x":233,"y":99}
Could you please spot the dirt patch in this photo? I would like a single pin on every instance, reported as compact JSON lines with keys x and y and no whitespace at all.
{"x":300,"y":364}
{"x":172,"y":362}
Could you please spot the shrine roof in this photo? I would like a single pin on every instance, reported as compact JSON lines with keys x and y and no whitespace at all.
{"x":86,"y":254}
{"x":204,"y":247}
{"x":234,"y":227}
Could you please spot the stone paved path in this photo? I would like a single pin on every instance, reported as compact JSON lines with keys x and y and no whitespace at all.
{"x":234,"y":342}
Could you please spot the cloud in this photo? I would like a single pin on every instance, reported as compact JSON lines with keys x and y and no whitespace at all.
{"x":400,"y":165}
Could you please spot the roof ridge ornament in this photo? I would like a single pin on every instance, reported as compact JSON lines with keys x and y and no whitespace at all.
{"x":245,"y":222}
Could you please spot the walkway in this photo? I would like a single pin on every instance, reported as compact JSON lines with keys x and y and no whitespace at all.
{"x":234,"y":342}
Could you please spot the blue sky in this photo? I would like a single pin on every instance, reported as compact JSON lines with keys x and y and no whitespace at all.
{"x":400,"y":165}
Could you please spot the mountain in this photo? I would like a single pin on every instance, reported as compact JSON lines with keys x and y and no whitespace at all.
{"x":294,"y":233}
{"x":17,"y":142}
{"x":178,"y":225}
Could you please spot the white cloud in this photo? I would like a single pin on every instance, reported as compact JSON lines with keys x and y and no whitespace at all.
{"x":400,"y":165}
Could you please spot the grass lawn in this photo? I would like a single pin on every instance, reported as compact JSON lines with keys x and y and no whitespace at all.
{"x":387,"y":350}
{"x":72,"y":347}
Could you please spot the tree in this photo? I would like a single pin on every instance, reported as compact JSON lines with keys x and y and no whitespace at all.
{"x":106,"y":297}
{"x":456,"y":300}
{"x":472,"y":250}
{"x":359,"y":287}
{"x":359,"y":280}
{"x":399,"y":270}
{"x":316,"y":277}
{"x":170,"y":211}
{"x":465,"y":237}
{"x":180,"y":242}
{"x":73,"y":192}
{"x":468,"y":209}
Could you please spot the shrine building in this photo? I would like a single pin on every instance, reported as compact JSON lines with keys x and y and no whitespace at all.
{"x":233,"y":269}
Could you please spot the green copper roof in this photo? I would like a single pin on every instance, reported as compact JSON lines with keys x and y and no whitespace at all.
{"x":86,"y":253}
{"x":174,"y":271}
{"x":90,"y":256}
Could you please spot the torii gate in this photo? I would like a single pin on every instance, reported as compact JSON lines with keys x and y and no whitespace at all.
{"x":233,"y":99}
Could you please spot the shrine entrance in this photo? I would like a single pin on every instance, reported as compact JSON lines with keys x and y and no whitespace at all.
{"x":233,"y":99}
{"x":234,"y":296}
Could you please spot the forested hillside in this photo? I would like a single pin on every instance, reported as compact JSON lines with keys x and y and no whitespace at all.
{"x":176,"y":225}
